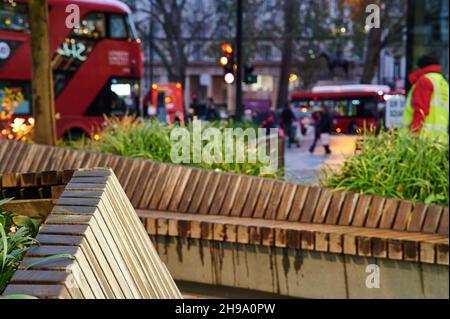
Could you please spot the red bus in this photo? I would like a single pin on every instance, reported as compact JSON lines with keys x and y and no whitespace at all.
{"x":167,"y":96}
{"x":353,"y":106}
{"x":97,"y":65}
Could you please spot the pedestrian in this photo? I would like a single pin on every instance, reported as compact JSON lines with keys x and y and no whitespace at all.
{"x":427,"y":106}
{"x":323,"y":125}
{"x":287,"y":123}
{"x":212,"y":114}
{"x":269,"y":121}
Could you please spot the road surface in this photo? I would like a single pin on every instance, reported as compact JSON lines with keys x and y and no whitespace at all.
{"x":302,"y":167}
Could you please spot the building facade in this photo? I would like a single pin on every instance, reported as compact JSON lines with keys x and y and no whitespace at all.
{"x":428,"y":31}
{"x":204,"y":75}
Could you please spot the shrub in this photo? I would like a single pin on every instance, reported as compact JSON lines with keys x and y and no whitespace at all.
{"x":131,"y":137}
{"x":396,"y":165}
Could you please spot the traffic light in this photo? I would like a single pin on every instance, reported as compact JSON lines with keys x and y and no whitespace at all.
{"x":228,"y":64}
{"x":249,"y":77}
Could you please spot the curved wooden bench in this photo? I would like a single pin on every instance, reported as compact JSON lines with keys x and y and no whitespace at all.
{"x":169,"y":188}
{"x":183,"y":202}
{"x":94,"y":222}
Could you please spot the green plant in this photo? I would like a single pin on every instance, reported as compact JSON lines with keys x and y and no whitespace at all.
{"x":131,"y":137}
{"x":396,"y":165}
{"x":16,"y":237}
{"x":17,"y":234}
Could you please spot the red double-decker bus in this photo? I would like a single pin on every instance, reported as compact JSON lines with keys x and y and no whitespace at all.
{"x":354,"y":107}
{"x":97,"y":64}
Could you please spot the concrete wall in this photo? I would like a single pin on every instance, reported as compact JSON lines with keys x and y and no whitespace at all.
{"x":296,"y":273}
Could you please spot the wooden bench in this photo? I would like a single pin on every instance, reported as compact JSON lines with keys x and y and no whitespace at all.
{"x":155,"y":188}
{"x":183,"y":202}
{"x":93,"y":221}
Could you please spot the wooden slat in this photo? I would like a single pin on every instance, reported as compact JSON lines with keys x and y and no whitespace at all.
{"x":231,"y":195}
{"x":160,"y":184}
{"x":26,"y":160}
{"x":432,"y":219}
{"x":252,"y":198}
{"x":417,"y":218}
{"x":4,"y":144}
{"x":210,"y":193}
{"x":149,"y":185}
{"x":169,"y":189}
{"x":389,"y":213}
{"x":223,"y":184}
{"x":182,"y":185}
{"x":322,"y":206}
{"x":275,"y":200}
{"x":263,"y":198}
{"x":30,"y":179}
{"x":334,"y":210}
{"x":403,"y":215}
{"x":241,"y":197}
{"x":362,"y":210}
{"x":348,"y":209}
{"x":10,"y":180}
{"x":10,"y":161}
{"x":137,"y":195}
{"x":133,"y":185}
{"x":151,"y":190}
{"x":375,"y":212}
{"x":298,"y":203}
{"x":189,"y":192}
{"x":443,"y":224}
{"x":40,"y":291}
{"x":286,"y":201}
{"x":200,"y":191}
{"x":7,"y":152}
{"x":310,"y":204}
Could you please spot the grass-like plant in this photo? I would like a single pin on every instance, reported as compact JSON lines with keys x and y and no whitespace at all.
{"x":17,"y":235}
{"x":131,"y":137}
{"x":396,"y":165}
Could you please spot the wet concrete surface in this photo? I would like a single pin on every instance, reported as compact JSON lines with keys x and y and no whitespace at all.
{"x":305,"y":168}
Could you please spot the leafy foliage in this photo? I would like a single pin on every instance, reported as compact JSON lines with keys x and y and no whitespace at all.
{"x":17,"y":235}
{"x":396,"y":165}
{"x":131,"y":137}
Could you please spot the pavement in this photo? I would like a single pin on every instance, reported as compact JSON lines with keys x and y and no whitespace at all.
{"x":303,"y":167}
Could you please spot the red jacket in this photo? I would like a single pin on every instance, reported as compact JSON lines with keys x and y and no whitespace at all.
{"x":422,"y":94}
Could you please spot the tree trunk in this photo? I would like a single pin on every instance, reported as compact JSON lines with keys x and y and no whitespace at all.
{"x":372,"y":59}
{"x":43,"y":103}
{"x":291,"y":12}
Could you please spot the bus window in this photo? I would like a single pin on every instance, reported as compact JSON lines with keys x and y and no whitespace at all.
{"x":347,"y":108}
{"x":369,"y":108}
{"x":124,"y":97}
{"x":13,"y":16}
{"x":117,"y":97}
{"x":117,"y":27}
{"x":91,"y":26}
{"x":15,"y":94}
{"x":131,"y":28}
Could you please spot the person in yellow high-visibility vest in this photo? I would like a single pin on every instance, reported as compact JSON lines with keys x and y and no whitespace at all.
{"x":427,"y":106}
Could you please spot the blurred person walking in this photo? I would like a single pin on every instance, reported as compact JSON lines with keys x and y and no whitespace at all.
{"x":269,"y":121}
{"x":323,"y":125}
{"x":427,"y":102}
{"x":287,"y":123}
{"x":212,"y":114}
